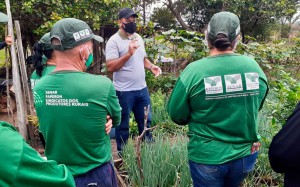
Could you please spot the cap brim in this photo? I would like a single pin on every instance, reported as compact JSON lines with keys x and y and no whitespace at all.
{"x":3,"y":18}
{"x":131,"y":14}
{"x":98,"y":38}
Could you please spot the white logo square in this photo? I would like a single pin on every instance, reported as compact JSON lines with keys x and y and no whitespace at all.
{"x":233,"y":83}
{"x":213,"y":85}
{"x":76,"y":36}
{"x":252,"y":81}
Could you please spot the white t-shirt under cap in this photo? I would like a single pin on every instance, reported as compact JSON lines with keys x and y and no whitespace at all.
{"x":131,"y":76}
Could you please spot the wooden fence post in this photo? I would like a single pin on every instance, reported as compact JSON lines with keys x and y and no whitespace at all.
{"x":28,"y":105}
{"x":21,"y":122}
{"x":24,"y":77}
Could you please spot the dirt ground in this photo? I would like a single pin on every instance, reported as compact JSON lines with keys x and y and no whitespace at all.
{"x":12,"y":119}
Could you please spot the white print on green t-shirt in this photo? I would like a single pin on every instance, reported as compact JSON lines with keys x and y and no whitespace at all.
{"x":213,"y":85}
{"x":252,"y":81}
{"x":52,"y":98}
{"x":233,"y":83}
{"x":38,"y":99}
{"x":33,"y":82}
{"x":227,"y":96}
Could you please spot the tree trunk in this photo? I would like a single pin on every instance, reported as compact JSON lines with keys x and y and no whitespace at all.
{"x":224,"y":6}
{"x":177,"y":14}
{"x":144,"y":14}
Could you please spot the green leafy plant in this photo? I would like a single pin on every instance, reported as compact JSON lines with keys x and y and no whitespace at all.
{"x":133,"y":127}
{"x":160,"y":116}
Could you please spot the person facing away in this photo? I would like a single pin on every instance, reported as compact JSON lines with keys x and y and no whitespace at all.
{"x":8,"y":39}
{"x":284,"y":152}
{"x":219,"y":98}
{"x":22,"y":166}
{"x":72,"y":107}
{"x":127,"y":59}
{"x":43,"y":58}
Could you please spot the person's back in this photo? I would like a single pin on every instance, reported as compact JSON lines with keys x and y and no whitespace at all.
{"x":72,"y":108}
{"x":34,"y":78}
{"x":219,"y":98}
{"x":224,"y":99}
{"x":22,"y":166}
{"x":43,"y":58}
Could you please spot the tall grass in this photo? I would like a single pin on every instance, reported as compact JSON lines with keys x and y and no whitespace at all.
{"x":263,"y":175}
{"x":164,"y":162}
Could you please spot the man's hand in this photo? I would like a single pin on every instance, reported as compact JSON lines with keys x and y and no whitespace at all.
{"x":8,"y":40}
{"x":133,"y":45}
{"x":156,"y":70}
{"x":108,"y":124}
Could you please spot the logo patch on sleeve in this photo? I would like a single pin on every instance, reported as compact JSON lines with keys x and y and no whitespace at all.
{"x":213,"y":85}
{"x":252,"y":81}
{"x":233,"y":83}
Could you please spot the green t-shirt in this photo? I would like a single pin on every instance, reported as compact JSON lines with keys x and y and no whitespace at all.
{"x":219,"y":98}
{"x":34,"y":78}
{"x":22,"y":166}
{"x":72,"y":107}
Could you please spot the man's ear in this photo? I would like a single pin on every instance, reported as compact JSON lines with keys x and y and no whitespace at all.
{"x":119,"y":23}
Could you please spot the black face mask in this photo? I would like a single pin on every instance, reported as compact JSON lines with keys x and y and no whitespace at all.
{"x":130,"y":27}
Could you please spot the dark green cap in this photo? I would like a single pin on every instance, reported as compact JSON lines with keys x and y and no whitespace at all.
{"x":224,"y":23}
{"x":72,"y":32}
{"x":45,"y":42}
{"x":3,"y":18}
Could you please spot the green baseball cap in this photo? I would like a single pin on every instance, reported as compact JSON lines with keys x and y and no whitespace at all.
{"x":224,"y":23}
{"x":72,"y":32}
{"x":3,"y":18}
{"x":45,"y":42}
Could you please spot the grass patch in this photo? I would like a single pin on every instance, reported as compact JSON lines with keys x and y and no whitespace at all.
{"x":2,"y":57}
{"x":164,"y":162}
{"x":263,"y":175}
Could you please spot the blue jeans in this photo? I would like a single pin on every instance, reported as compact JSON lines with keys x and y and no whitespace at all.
{"x":101,"y":176}
{"x":134,"y":101}
{"x":230,"y":174}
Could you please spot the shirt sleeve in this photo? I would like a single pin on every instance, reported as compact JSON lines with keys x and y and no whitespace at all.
{"x":178,"y":105}
{"x":113,"y":106}
{"x":2,"y":45}
{"x":35,"y":171}
{"x":25,"y":166}
{"x":111,"y":50}
{"x":263,"y":86}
